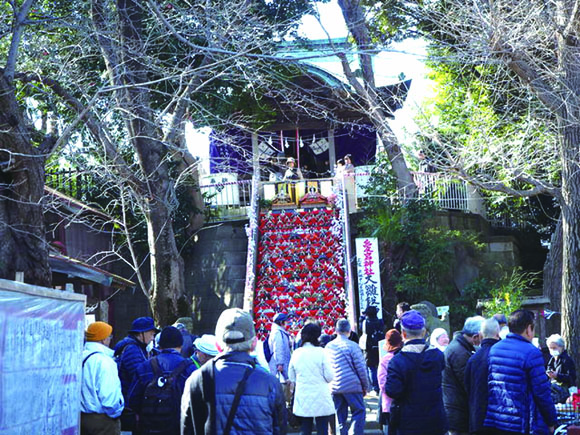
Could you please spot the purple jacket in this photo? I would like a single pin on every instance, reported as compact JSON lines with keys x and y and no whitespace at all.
{"x":382,"y":377}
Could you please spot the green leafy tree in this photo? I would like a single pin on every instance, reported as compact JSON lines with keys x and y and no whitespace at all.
{"x":532,"y":49}
{"x":417,"y":256}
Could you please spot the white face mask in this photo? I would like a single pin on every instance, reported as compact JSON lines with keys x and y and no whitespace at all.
{"x":150,"y":346}
{"x":554,"y":352}
{"x":504,"y":331}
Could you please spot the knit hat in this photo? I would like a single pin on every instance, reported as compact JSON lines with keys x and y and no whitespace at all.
{"x":170,"y":338}
{"x":98,"y":331}
{"x":143,"y":324}
{"x":371,"y":310}
{"x":412,"y":320}
{"x":393,"y":341}
{"x":206,"y":344}
{"x":234,"y":326}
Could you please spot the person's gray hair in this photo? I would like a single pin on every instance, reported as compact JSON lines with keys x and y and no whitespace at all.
{"x":343,"y":326}
{"x":490,"y":328}
{"x":245,"y":346}
{"x":472,"y":325}
{"x":413,"y":333}
{"x":556,"y":339}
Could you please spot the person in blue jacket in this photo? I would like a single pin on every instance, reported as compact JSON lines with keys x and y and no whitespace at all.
{"x":132,"y":351}
{"x":169,"y":359}
{"x":476,"y":374}
{"x":519,"y":391}
{"x":210,"y":391}
{"x":414,"y":378}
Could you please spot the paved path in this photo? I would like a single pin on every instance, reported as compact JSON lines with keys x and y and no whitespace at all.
{"x":371,"y":426}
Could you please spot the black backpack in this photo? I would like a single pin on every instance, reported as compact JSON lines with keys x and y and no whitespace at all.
{"x":161,"y":406}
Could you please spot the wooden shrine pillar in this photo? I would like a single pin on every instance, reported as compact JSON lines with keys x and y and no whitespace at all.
{"x":331,"y":151}
{"x":255,"y":156}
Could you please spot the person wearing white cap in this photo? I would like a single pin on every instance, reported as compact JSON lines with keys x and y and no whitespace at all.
{"x":439,"y":339}
{"x":205,"y":349}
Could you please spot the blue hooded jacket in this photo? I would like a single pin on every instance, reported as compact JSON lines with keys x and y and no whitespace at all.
{"x":519,"y":390}
{"x":129,"y":353}
{"x":414,"y":377}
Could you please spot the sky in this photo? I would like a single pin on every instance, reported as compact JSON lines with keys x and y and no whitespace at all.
{"x":405,"y":57}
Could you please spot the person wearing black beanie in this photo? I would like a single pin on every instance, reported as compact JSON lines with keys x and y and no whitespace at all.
{"x":169,"y":367}
{"x":170,"y":338}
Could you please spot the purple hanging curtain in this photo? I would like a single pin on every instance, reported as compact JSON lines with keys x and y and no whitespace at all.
{"x":231,"y":151}
{"x":360,"y":141}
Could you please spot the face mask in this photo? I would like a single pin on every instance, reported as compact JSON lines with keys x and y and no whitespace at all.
{"x":554,"y":352}
{"x":150,"y":347}
{"x":477,"y":347}
{"x":504,"y":332}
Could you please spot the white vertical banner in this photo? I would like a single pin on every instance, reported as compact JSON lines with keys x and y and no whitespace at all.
{"x":369,"y":275}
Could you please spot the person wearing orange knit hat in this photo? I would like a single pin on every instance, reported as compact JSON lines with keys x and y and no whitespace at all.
{"x":101,"y":398}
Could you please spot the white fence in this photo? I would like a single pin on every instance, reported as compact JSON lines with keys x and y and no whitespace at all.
{"x":228,"y":198}
{"x":449,"y":193}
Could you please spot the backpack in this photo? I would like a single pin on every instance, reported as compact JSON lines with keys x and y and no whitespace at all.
{"x":267,"y":350}
{"x":376,"y":334}
{"x":161,"y":406}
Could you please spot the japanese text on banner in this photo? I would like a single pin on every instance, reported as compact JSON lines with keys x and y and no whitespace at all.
{"x":369,"y":277}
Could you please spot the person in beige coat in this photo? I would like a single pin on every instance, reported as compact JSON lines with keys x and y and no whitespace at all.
{"x":311,"y":371}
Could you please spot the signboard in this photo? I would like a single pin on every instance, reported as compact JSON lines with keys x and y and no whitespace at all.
{"x":369,"y":277}
{"x":41,"y":337}
{"x":443,"y":311}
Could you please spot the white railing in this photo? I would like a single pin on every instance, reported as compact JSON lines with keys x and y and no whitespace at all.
{"x":449,"y":193}
{"x":230,"y":200}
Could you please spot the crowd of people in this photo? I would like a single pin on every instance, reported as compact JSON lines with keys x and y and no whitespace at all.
{"x":490,"y":379}
{"x":172,"y":382}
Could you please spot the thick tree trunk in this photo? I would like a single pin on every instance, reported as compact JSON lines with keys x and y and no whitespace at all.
{"x":570,"y":204}
{"x":23,"y":246}
{"x":166,"y":266}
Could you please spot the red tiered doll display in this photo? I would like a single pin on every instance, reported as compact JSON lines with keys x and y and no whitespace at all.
{"x":300,"y":269}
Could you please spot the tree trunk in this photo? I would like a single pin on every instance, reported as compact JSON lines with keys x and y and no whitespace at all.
{"x":23,"y":246}
{"x":167,"y":277}
{"x":570,"y":204}
{"x":376,"y":110}
{"x":157,"y":195}
{"x":553,"y":270}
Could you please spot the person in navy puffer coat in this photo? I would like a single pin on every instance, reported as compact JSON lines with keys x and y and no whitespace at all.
{"x":414,"y":377}
{"x":132,"y":351}
{"x":519,"y":390}
{"x":261,"y":410}
{"x":169,"y":358}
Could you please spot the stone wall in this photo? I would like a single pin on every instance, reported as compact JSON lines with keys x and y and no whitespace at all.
{"x":215,"y":272}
